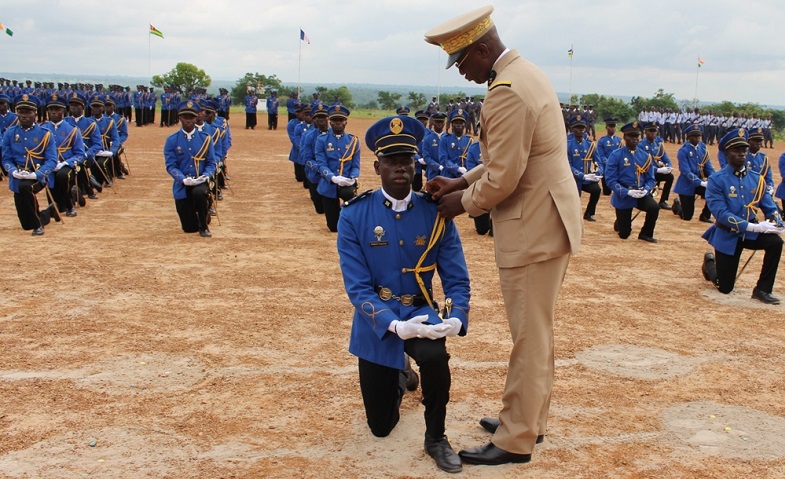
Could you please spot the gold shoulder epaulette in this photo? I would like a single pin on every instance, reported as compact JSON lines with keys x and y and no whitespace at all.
{"x":499,"y":83}
{"x":358,"y":198}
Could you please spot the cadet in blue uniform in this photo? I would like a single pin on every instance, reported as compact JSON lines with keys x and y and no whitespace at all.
{"x":338,"y":159}
{"x":403,"y":110}
{"x":70,"y":155}
{"x":734,"y":195}
{"x":300,"y":129}
{"x":585,"y":163}
{"x":293,"y":105}
{"x":423,"y":117}
{"x":390,"y":242}
{"x":453,"y":147}
{"x":315,"y":101}
{"x":758,"y":161}
{"x":294,"y":131}
{"x":29,"y":158}
{"x":606,"y":145}
{"x":630,"y":176}
{"x":272,"y":111}
{"x":780,"y":193}
{"x":653,"y":145}
{"x":110,"y":141}
{"x":250,"y":110}
{"x":86,"y":181}
{"x":7,"y":120}
{"x":190,"y":160}
{"x":118,"y":169}
{"x":482,"y":223}
{"x":694,"y":170}
{"x":308,"y":154}
{"x":430,"y":146}
{"x":222,"y":145}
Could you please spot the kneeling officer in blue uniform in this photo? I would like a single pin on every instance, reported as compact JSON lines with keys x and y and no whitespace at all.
{"x":390,"y":242}
{"x":734,"y":194}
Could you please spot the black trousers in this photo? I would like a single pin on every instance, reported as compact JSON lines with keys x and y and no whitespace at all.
{"x":624,"y":217}
{"x":382,"y":388}
{"x":272,"y":121}
{"x":192,"y":210}
{"x":666,"y":190}
{"x":332,"y":211}
{"x":728,"y":264}
{"x":482,"y":224}
{"x":606,"y":190}
{"x":688,"y":205}
{"x":250,"y":120}
{"x":594,"y":191}
{"x":27,"y":205}
{"x":299,"y":172}
{"x":64,"y":179}
{"x":139,"y":113}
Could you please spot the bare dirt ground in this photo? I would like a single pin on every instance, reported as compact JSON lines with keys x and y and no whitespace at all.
{"x":132,"y":350}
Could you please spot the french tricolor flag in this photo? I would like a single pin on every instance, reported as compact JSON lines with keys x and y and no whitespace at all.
{"x":304,"y":37}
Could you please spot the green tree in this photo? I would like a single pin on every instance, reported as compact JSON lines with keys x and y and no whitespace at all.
{"x":388,"y":100}
{"x":417,"y":100}
{"x":340,"y":94}
{"x":184,"y":77}
{"x":262,"y":83}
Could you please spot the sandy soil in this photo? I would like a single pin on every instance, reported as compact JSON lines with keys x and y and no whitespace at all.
{"x":131,"y":349}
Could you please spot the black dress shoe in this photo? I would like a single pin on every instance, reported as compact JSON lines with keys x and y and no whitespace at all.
{"x":764,"y":297}
{"x":74,"y":194}
{"x":491,"y":424}
{"x":444,"y":455}
{"x":646,"y":238}
{"x":676,"y":208}
{"x":38,"y":231}
{"x":616,"y":226}
{"x":211,"y":211}
{"x":92,"y":196}
{"x":96,"y":184}
{"x":205,"y":233}
{"x":490,"y":455}
{"x":219,"y":195}
{"x":664,"y":205}
{"x":709,"y":268}
{"x":588,"y":217}
{"x":705,"y":219}
{"x":412,"y":379}
{"x":121,"y":176}
{"x":71,"y":212}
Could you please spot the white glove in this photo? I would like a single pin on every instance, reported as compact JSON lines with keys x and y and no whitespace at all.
{"x":19,"y":175}
{"x":188,"y":181}
{"x":664,"y":170}
{"x":28,"y":175}
{"x":441,"y":167}
{"x":60,"y":164}
{"x":763,"y":227}
{"x":636,"y":193}
{"x":462,"y":170}
{"x":422,"y":161}
{"x":338,"y":180}
{"x":411,"y":328}
{"x":104,"y":153}
{"x":198,"y":180}
{"x":433,"y":331}
{"x":704,"y":183}
{"x":349,"y":181}
{"x":770,"y":190}
{"x":591,"y":177}
{"x":455,"y":326}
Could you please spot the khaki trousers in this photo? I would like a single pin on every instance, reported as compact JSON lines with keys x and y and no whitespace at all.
{"x":530,"y":293}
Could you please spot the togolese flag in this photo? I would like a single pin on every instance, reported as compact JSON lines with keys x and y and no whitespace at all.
{"x":700,"y":62}
{"x":155,"y":31}
{"x":8,"y":31}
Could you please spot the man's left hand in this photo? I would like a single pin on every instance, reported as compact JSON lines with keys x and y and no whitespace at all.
{"x":450,"y":205}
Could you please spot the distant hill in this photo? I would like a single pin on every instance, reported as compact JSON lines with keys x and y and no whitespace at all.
{"x":361,"y":92}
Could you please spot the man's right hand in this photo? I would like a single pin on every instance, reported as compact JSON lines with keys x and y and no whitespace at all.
{"x":441,"y":186}
{"x":411,"y":328}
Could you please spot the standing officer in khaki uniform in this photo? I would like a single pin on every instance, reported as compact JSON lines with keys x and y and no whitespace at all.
{"x":529,"y":190}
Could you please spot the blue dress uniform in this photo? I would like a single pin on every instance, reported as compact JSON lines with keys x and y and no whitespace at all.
{"x":30,"y":150}
{"x":292,"y":129}
{"x":453,"y":150}
{"x":292,"y":105}
{"x":308,"y":158}
{"x":759,"y":161}
{"x":272,"y":111}
{"x":780,"y":193}
{"x":388,"y":254}
{"x":734,"y":196}
{"x":430,"y":148}
{"x":92,"y":144}
{"x":695,"y":168}
{"x":482,"y":223}
{"x":336,"y":156}
{"x":110,"y":141}
{"x":626,"y":171}
{"x":299,"y":130}
{"x":662,"y":162}
{"x":424,"y":117}
{"x":7,"y":120}
{"x":70,"y":156}
{"x":250,"y":111}
{"x":190,"y":155}
{"x":585,"y":160}
{"x":605,"y":146}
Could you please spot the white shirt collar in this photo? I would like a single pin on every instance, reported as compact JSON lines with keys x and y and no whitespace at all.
{"x":188,"y":136}
{"x":500,"y":57}
{"x":398,"y":205}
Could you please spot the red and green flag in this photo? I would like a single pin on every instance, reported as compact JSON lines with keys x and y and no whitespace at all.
{"x":155,"y":31}
{"x":700,"y":62}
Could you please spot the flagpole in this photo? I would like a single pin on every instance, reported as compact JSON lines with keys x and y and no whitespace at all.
{"x":695,"y":98}
{"x":572,"y":52}
{"x":148,"y":51}
{"x":299,"y":58}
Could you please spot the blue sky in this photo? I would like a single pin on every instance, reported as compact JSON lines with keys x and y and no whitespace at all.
{"x":621,"y":47}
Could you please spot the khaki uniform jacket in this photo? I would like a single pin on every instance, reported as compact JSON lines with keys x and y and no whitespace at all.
{"x":525,"y":180}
